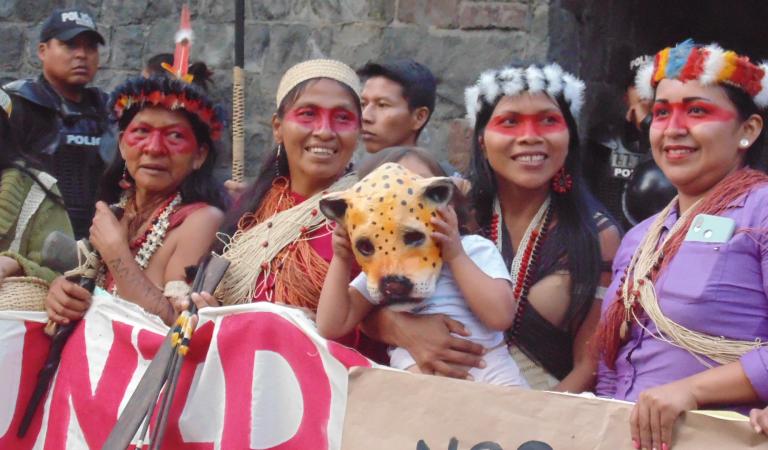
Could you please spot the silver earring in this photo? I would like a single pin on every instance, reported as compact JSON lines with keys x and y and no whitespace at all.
{"x":744,"y":143}
{"x":277,"y":160}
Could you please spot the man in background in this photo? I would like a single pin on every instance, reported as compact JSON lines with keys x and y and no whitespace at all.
{"x":398,"y":99}
{"x":59,"y":121}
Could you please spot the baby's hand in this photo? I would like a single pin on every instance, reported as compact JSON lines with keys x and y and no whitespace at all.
{"x":342,"y":247}
{"x":447,"y":233}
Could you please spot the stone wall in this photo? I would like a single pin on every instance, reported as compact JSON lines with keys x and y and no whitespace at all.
{"x":456,"y":38}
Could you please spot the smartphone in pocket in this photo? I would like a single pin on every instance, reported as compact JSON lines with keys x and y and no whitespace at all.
{"x":712,"y":229}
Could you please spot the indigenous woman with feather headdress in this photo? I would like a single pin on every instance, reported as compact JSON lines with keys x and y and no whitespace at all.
{"x":162,"y":177}
{"x":684,"y":321}
{"x":557,"y":241}
{"x":531,"y":200}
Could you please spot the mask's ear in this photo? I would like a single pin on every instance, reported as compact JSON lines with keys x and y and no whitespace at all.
{"x":334,"y":206}
{"x":438,"y":190}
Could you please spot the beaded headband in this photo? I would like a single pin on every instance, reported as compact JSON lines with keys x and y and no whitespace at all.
{"x":706,"y":64}
{"x":510,"y":81}
{"x":173,"y":90}
{"x":316,"y":68}
{"x":171,"y":94}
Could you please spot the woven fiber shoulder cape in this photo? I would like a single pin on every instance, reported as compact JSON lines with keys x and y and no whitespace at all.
{"x":249,"y":255}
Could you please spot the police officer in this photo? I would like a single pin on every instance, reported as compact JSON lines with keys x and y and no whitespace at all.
{"x":619,"y":165}
{"x":59,"y":121}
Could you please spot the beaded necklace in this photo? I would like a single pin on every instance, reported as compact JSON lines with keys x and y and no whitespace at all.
{"x":524,"y":260}
{"x":152,"y":239}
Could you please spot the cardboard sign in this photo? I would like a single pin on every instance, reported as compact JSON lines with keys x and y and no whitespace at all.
{"x":257,"y":376}
{"x":397,"y":410}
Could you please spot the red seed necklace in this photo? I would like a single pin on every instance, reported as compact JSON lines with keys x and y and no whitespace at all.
{"x":523,"y":264}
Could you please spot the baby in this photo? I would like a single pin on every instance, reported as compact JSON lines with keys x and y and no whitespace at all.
{"x":403,"y":231}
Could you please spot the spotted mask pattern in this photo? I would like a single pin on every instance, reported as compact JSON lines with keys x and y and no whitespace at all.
{"x":387,"y":215}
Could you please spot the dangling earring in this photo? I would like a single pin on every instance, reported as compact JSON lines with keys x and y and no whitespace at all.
{"x":562,"y":182}
{"x":277,"y":160}
{"x":124,"y":182}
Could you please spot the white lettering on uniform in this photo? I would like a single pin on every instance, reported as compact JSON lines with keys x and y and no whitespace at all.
{"x":81,"y":19}
{"x":77,"y":139}
{"x":621,"y":172}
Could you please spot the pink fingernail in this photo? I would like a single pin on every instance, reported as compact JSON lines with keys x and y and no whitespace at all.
{"x":635,"y":444}
{"x":664,"y":446}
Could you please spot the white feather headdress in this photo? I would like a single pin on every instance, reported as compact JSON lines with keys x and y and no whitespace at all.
{"x":511,"y":81}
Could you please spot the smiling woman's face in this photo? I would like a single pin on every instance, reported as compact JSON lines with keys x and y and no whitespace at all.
{"x":160,"y":150}
{"x":695,"y":134}
{"x":526,"y":140}
{"x":319,"y":132}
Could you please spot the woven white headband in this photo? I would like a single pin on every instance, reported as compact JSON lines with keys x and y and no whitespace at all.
{"x":510,"y":81}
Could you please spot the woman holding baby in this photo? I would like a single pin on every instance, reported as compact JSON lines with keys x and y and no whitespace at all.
{"x":556,"y":240}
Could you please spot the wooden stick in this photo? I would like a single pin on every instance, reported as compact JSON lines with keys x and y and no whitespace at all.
{"x":164,"y":366}
{"x":238,"y":95}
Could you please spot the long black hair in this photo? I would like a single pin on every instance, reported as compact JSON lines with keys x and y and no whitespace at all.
{"x":199,"y":186}
{"x":202,"y":76}
{"x":746,"y":107}
{"x":273,"y":165}
{"x":574,"y":237}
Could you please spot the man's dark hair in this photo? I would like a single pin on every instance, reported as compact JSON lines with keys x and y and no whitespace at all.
{"x":418,"y":83}
{"x":201,"y":75}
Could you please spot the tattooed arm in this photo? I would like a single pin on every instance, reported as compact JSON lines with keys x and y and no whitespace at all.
{"x":134,"y":285}
{"x":183,"y":246}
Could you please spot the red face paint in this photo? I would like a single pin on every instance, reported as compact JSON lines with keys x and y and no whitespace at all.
{"x":338,"y":120}
{"x":173,"y":139}
{"x":519,"y":125}
{"x":688,"y":114}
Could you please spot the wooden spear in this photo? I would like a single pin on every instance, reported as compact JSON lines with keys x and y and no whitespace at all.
{"x":238,"y":95}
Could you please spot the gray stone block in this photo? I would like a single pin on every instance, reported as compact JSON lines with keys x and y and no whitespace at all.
{"x":29,"y":10}
{"x":357,"y":43}
{"x":501,"y":15}
{"x":437,"y":13}
{"x":215,"y":11}
{"x":11,"y":46}
{"x":122,"y":12}
{"x":127,"y":46}
{"x":269,"y":9}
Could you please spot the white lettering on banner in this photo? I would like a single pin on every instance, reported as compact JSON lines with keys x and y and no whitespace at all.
{"x":79,"y":18}
{"x":256,"y":376}
{"x":78,"y":139}
{"x":10,"y":376}
{"x":279,"y":388}
{"x":199,"y":422}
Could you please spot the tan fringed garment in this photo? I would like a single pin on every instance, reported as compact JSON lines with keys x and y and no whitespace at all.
{"x":274,"y":242}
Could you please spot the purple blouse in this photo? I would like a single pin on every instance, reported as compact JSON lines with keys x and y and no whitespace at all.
{"x":717,"y":289}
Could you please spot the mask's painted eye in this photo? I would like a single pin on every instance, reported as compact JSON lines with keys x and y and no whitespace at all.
{"x":414,"y":238}
{"x":365,"y":247}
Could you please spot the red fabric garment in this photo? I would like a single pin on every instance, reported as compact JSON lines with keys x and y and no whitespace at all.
{"x":321,"y":241}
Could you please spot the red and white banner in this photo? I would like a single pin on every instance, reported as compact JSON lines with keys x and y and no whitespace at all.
{"x":257,"y":376}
